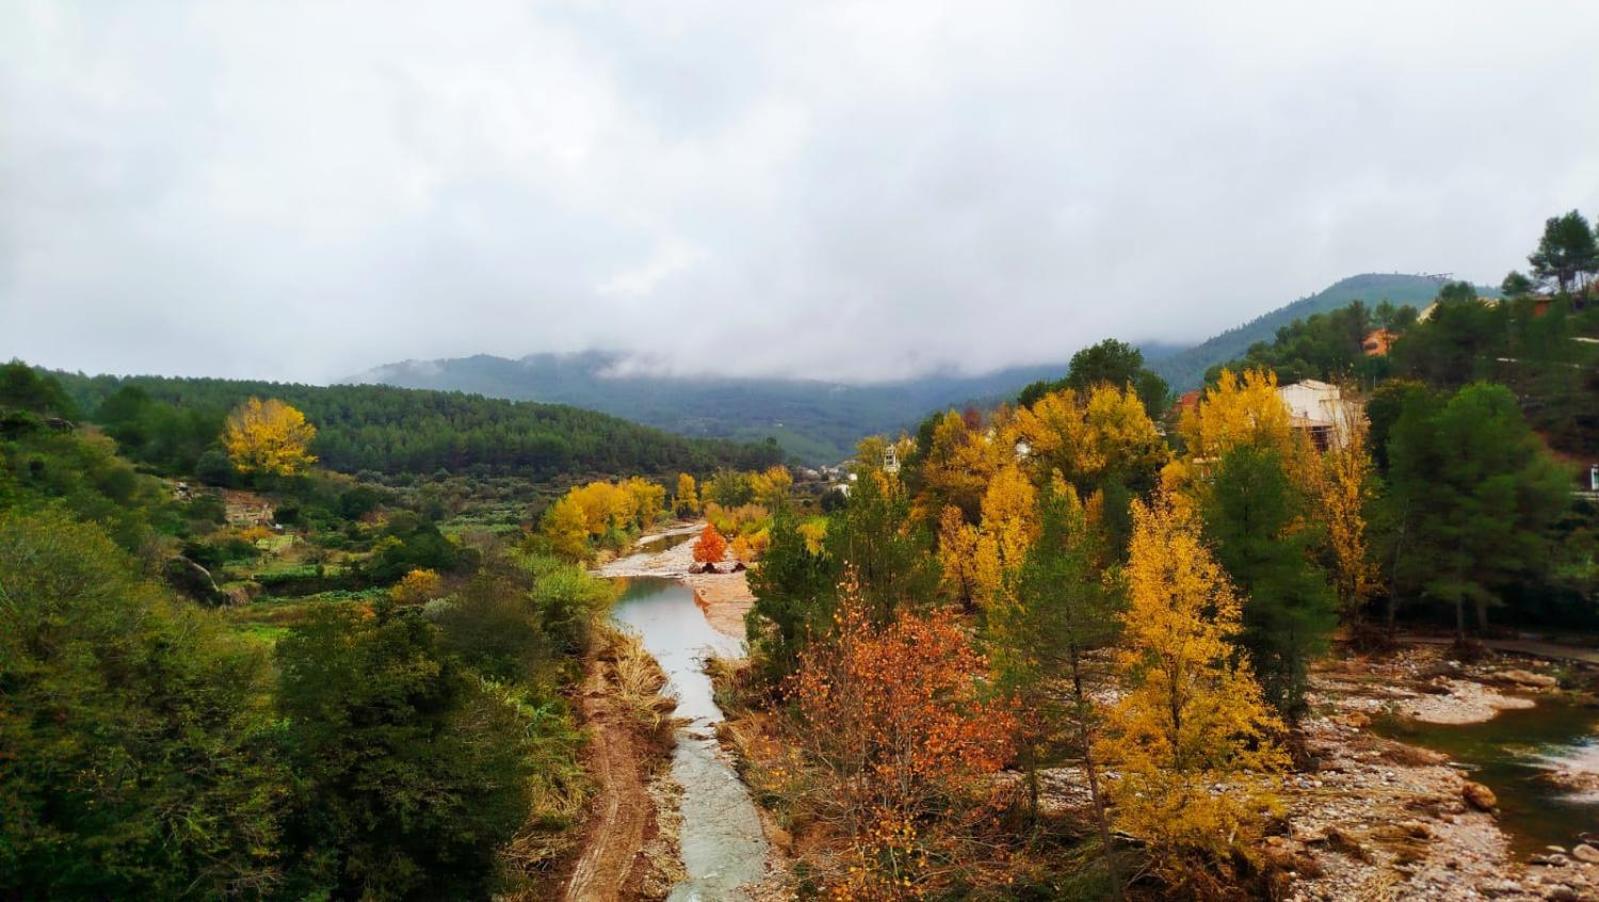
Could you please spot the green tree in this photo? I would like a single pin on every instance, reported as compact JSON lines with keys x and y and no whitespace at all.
{"x":1515,"y":285}
{"x":891,"y":557}
{"x":794,"y":596}
{"x":1063,"y":611}
{"x":1259,"y":523}
{"x":410,"y":771}
{"x":1567,"y":253}
{"x":23,"y":389}
{"x":1110,"y":362}
{"x":1472,"y":496}
{"x":135,"y":759}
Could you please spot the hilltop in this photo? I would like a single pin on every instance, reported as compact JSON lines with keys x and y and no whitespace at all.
{"x":1186,"y":369}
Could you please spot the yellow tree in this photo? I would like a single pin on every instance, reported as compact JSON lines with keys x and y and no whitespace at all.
{"x":771,"y":487}
{"x":1010,"y":523}
{"x":268,"y":437}
{"x":418,"y":586}
{"x":956,"y":468}
{"x":1091,"y":438}
{"x":1345,"y":492}
{"x":565,"y":528}
{"x":1055,"y":431}
{"x":1238,"y":411}
{"x":957,"y":554}
{"x":686,"y":502}
{"x":604,"y":506}
{"x":647,"y":499}
{"x":1191,"y":717}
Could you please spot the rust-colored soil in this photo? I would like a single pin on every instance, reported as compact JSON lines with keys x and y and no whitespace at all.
{"x":624,"y":812}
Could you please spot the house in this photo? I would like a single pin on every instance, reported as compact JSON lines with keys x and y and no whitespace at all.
{"x":1320,"y":410}
{"x":1377,"y":343}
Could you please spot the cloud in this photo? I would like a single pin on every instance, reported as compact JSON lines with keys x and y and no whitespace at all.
{"x":848,"y":190}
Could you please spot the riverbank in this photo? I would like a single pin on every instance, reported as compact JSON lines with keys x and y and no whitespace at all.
{"x":724,"y":597}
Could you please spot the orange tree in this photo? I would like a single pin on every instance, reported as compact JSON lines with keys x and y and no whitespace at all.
{"x":710,"y":547}
{"x":905,"y":740}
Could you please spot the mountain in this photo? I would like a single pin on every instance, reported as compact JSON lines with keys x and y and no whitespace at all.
{"x":1186,"y":369}
{"x":816,"y":421}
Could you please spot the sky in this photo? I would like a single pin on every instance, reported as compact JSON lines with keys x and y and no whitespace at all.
{"x":853,"y":191}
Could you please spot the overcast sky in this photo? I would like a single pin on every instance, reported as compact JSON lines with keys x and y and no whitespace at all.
{"x":844,"y":190}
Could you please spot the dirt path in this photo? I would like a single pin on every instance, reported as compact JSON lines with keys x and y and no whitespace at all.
{"x":1550,"y":650}
{"x":624,"y":806}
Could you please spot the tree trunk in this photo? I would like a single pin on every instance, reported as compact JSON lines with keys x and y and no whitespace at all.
{"x":1460,"y":620}
{"x":1101,"y":817}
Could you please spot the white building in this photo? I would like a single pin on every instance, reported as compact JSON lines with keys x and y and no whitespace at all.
{"x":1320,"y":410}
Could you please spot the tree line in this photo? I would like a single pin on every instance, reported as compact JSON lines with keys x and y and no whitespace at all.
{"x":173,"y":422}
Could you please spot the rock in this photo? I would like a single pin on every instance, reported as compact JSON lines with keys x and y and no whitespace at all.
{"x":1585,"y":853}
{"x":1479,"y":796}
{"x":1558,"y":850}
{"x":1500,"y":888}
{"x":1415,"y":829}
{"x":1527,"y":678}
{"x":1355,"y":719}
{"x":1561,"y":894}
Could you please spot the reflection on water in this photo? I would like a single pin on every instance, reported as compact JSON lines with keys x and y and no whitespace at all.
{"x":1512,"y":754}
{"x":658,"y":545}
{"x":723,"y":847}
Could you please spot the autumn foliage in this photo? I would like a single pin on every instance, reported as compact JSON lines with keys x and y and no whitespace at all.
{"x":268,"y":437}
{"x":905,"y":739}
{"x":710,"y":547}
{"x":417,"y":587}
{"x":1192,"y":717}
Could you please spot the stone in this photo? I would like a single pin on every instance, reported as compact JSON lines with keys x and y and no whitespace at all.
{"x":1528,"y":678}
{"x":1585,"y":853}
{"x":1479,"y":796}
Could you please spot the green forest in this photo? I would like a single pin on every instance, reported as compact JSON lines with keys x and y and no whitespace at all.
{"x":171,"y":423}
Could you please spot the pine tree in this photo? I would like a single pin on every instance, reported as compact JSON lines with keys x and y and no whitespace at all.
{"x":1063,"y":610}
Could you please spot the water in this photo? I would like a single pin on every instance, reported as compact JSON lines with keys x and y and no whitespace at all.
{"x":723,"y":847}
{"x":663,"y":543}
{"x":1510,"y":754}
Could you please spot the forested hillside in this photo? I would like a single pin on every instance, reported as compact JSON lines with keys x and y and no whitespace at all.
{"x":815,"y":420}
{"x":394,"y":430}
{"x":1186,"y":369}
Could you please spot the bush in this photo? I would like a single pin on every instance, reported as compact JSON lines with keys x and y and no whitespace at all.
{"x":412,"y":772}
{"x":133,"y":761}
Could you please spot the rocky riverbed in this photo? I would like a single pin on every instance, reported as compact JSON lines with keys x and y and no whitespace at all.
{"x":1372,"y":818}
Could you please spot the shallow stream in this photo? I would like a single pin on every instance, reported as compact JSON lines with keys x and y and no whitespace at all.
{"x":1512,"y":754}
{"x":723,"y":846}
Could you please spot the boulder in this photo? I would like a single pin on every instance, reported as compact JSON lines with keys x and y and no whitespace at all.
{"x":1527,"y":678}
{"x":1585,"y":853}
{"x":1479,"y":796}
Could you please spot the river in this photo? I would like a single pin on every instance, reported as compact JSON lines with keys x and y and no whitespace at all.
{"x":1511,"y":754}
{"x":723,"y":846}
